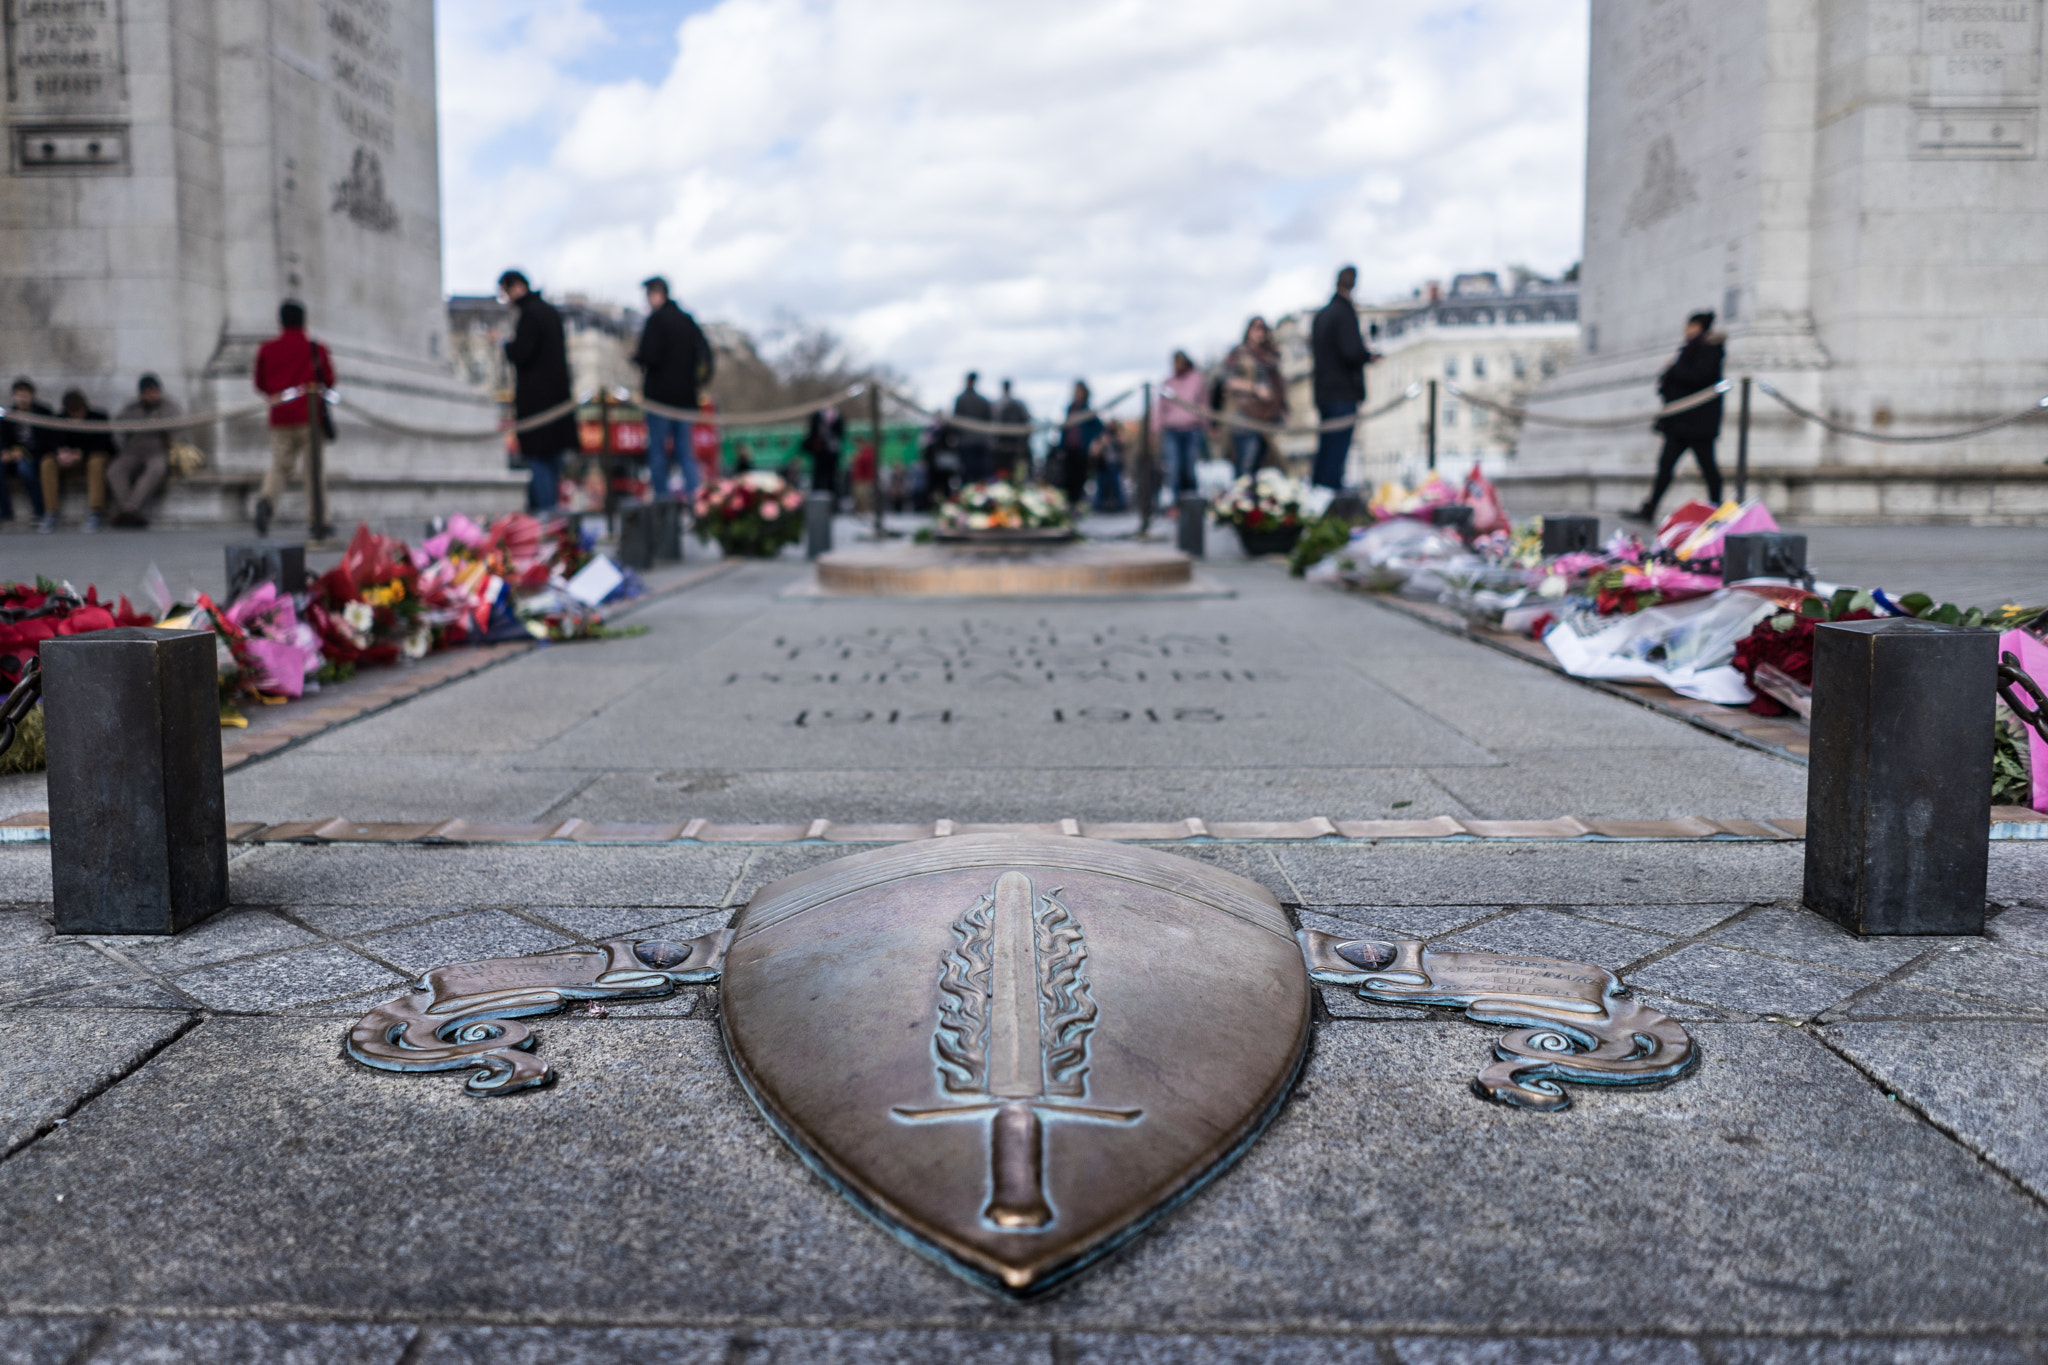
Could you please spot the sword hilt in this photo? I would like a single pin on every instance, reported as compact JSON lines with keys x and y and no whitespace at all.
{"x":1017,"y":1169}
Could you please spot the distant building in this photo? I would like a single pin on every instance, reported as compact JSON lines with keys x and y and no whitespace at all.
{"x":601,"y":336}
{"x":1494,"y":341}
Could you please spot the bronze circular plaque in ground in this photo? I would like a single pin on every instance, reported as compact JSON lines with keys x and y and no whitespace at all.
{"x":1015,"y":1051}
{"x":1074,"y":569}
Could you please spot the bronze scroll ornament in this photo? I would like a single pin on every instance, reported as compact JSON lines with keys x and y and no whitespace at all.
{"x":466,"y":1015}
{"x":1571,"y":1021}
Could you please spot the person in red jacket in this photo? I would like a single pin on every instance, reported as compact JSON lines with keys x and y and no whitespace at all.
{"x":290,"y":360}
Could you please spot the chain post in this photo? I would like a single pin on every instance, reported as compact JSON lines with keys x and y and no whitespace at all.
{"x":1742,"y":444}
{"x":1148,"y":477}
{"x":875,"y":439}
{"x":1432,"y":424}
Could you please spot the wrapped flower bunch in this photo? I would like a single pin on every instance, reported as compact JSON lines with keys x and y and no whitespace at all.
{"x":753,"y":514}
{"x":32,"y":613}
{"x":999,"y":505}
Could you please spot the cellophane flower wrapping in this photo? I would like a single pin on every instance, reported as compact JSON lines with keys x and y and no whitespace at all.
{"x":999,"y":505}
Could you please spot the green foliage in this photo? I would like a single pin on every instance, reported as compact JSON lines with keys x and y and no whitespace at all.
{"x":604,"y":632}
{"x":27,"y":755}
{"x":2012,"y":782}
{"x":1324,"y":537}
{"x":335,"y":671}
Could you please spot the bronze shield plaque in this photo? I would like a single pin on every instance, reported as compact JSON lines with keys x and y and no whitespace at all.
{"x":1015,"y":1051}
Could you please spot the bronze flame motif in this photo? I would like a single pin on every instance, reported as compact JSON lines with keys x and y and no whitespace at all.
{"x":1014,"y":1018}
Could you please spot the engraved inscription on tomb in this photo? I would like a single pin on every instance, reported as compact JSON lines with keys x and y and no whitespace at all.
{"x":995,"y":658}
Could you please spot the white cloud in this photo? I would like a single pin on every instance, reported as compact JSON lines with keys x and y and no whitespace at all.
{"x":1067,"y":187}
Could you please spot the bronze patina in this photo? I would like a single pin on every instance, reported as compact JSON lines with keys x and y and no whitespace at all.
{"x":979,"y":1041}
{"x":1571,"y":1021}
{"x":1016,"y":1051}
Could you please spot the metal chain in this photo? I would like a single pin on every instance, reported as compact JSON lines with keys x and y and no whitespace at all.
{"x":2012,"y":680}
{"x":25,"y":695}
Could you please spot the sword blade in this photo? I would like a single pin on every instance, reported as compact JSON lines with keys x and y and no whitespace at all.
{"x":1016,"y":1057}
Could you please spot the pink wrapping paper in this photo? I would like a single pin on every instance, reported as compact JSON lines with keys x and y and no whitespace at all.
{"x":2033,"y":657}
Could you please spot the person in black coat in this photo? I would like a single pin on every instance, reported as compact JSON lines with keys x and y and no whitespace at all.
{"x":540,"y":357}
{"x":823,"y":442}
{"x":1341,"y":355}
{"x":675,"y":359}
{"x":977,"y":459}
{"x":1697,"y":367}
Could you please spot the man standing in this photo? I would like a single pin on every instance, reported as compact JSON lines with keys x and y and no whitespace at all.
{"x":1697,"y":367}
{"x":973,"y":446}
{"x":21,"y":449}
{"x":1011,"y":451}
{"x":824,"y":440}
{"x":540,"y":357}
{"x":675,"y":360}
{"x":138,"y":471}
{"x":1341,"y":356}
{"x":290,"y":360}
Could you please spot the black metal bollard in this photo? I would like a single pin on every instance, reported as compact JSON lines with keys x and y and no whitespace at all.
{"x":1454,"y":517}
{"x":1763,"y":554}
{"x":1189,"y":531}
{"x":1898,"y":794}
{"x":639,"y":534}
{"x":818,"y":511}
{"x":265,"y":561}
{"x":668,"y":531}
{"x":1566,"y":535}
{"x":138,"y":818}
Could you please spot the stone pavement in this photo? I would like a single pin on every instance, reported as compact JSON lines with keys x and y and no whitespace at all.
{"x":1855,"y":1172}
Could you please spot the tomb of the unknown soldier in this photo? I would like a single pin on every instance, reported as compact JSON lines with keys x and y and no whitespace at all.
{"x":774,"y":685}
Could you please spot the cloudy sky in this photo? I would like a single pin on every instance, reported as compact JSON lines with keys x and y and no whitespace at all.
{"x":1044,"y":190}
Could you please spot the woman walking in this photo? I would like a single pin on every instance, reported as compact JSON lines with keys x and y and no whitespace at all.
{"x":1179,"y":423}
{"x":1253,"y":390}
{"x":1079,"y":440}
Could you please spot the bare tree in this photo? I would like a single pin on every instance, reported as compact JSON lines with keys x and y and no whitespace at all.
{"x":796,"y":362}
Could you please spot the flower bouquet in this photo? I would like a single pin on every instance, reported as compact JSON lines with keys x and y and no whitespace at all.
{"x":1268,"y":511}
{"x":998,"y":510}
{"x":366,"y":608}
{"x":753,"y":514}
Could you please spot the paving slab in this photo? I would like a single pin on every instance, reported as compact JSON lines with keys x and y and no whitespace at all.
{"x":463,"y":938}
{"x":642,"y":1191}
{"x":44,"y":1341}
{"x":1545,"y":933}
{"x":54,"y":1059}
{"x":160,"y":1342}
{"x":1987,"y":1083}
{"x":1749,"y":982}
{"x":358,"y":874}
{"x":1400,"y":872}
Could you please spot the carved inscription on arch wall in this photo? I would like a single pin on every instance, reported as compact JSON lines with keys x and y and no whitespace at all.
{"x":1978,"y":75}
{"x":364,"y":64}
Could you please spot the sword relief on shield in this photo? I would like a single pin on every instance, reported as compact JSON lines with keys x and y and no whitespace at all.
{"x":1015,"y":1016}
